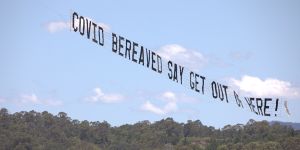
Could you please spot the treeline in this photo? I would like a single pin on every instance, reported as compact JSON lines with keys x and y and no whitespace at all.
{"x":34,"y":130}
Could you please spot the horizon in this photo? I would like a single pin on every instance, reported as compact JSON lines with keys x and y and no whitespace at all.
{"x":252,"y":46}
{"x":152,"y":122}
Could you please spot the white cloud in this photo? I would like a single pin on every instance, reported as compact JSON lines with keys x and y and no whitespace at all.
{"x":168,"y":108}
{"x":169,"y":96}
{"x":56,"y":26}
{"x":99,"y":96}
{"x":148,"y":106}
{"x":269,"y":87}
{"x":33,"y":99}
{"x":30,"y":99}
{"x":189,"y":58}
{"x":179,"y":97}
{"x":171,"y":100}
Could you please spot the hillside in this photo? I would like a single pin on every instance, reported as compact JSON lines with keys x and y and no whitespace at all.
{"x":295,"y":126}
{"x":35,"y":130}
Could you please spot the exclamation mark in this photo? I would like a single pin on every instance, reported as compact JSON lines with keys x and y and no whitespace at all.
{"x":276,"y":107}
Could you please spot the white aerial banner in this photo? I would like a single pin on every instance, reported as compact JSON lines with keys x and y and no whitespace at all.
{"x":138,"y":54}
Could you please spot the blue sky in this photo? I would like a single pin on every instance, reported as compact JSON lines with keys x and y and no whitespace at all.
{"x":253,"y":46}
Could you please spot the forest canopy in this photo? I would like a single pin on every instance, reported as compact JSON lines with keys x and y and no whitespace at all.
{"x":42,"y":130}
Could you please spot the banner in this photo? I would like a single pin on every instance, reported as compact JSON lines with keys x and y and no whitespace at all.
{"x":199,"y":83}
